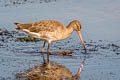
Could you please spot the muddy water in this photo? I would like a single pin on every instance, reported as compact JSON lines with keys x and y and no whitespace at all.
{"x":101,"y":61}
{"x":100,"y":31}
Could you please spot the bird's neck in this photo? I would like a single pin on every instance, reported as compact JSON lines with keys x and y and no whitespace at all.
{"x":69,"y":30}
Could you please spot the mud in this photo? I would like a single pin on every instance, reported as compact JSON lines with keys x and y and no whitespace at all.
{"x":18,"y":56}
{"x":7,"y":3}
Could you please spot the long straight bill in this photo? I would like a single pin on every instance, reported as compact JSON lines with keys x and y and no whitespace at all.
{"x":82,"y":41}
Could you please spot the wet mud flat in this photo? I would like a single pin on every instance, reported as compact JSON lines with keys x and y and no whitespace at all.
{"x":20,"y":55}
{"x":16,"y":3}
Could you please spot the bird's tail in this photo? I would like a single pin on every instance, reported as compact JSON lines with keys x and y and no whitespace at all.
{"x":18,"y":27}
{"x":16,"y":23}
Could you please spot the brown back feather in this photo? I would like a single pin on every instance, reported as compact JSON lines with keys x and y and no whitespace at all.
{"x":44,"y":25}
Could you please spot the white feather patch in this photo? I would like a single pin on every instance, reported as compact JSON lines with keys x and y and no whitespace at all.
{"x":32,"y":33}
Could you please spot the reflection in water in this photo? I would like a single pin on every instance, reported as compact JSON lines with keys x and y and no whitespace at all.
{"x":46,"y":71}
{"x":50,"y":71}
{"x":77,"y":76}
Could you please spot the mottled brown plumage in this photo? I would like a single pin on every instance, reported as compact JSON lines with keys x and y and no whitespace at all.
{"x":44,"y":25}
{"x":50,"y":30}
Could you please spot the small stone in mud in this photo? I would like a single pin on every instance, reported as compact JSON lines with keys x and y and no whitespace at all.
{"x":93,"y":49}
{"x":68,"y":41}
{"x":60,"y":48}
{"x":114,"y":45}
{"x":100,"y":40}
{"x":103,"y":47}
{"x":91,"y":41}
{"x":1,"y":44}
{"x":5,"y":32}
{"x":118,"y":53}
{"x":89,"y":44}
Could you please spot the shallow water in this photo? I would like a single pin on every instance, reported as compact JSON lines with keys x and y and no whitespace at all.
{"x":100,"y":29}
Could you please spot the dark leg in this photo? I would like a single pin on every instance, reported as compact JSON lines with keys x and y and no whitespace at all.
{"x":48,"y":51}
{"x":43,"y":51}
{"x":43,"y":46}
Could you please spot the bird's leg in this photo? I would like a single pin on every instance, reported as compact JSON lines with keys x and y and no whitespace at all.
{"x":43,"y":50}
{"x":48,"y":51}
{"x":43,"y":46}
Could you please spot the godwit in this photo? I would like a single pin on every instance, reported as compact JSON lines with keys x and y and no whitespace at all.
{"x":51,"y":31}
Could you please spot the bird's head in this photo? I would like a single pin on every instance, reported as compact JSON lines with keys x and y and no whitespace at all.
{"x":77,"y":27}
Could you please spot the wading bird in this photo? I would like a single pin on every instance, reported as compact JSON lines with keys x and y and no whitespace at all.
{"x":51,"y":31}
